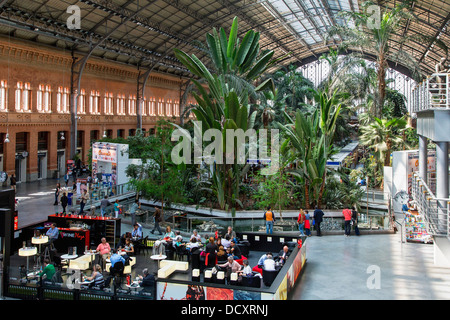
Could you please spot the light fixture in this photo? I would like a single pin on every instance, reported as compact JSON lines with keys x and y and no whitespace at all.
{"x":7,"y":138}
{"x":62,"y":136}
{"x":104,"y":134}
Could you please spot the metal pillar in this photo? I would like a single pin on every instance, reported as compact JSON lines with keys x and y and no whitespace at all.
{"x":423,"y":157}
{"x":442,"y":170}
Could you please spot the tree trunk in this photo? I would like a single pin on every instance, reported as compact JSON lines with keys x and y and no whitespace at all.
{"x":381,"y":78}
{"x":307,"y":195}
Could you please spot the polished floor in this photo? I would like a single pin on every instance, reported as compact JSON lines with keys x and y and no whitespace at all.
{"x":369,"y":267}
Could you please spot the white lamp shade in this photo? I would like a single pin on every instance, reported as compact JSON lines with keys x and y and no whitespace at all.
{"x":42,"y":240}
{"x":27,"y":252}
{"x":234,"y":276}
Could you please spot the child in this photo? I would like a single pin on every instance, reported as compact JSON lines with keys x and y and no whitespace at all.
{"x":307,"y":224}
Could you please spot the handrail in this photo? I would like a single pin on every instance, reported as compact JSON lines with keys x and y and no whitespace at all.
{"x":432,"y":93}
{"x":434,"y":210}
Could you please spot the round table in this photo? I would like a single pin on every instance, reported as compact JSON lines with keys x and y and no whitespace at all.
{"x":158,"y":258}
{"x":69,"y":256}
{"x":91,"y":253}
{"x":27,"y":252}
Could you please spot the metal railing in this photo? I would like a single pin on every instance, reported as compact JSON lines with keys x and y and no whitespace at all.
{"x":434,"y":210}
{"x":432,"y":93}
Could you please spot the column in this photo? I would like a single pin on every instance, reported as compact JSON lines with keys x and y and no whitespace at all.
{"x":442,"y":170}
{"x":423,"y":142}
{"x":442,"y":184}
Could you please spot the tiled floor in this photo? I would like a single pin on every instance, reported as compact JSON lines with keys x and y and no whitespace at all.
{"x":347,"y":268}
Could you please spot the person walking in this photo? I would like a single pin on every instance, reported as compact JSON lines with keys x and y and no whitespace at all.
{"x":116,"y":209}
{"x":269,"y":217}
{"x":66,"y":178}
{"x":347,"y":220}
{"x":136,"y":205}
{"x":64,"y":202}
{"x":355,"y":215}
{"x":158,"y":218}
{"x":57,"y":192}
{"x":84,"y":200}
{"x":307,"y":224}
{"x":301,"y":222}
{"x":12,"y":181}
{"x":318,"y":218}
{"x":103,"y":204}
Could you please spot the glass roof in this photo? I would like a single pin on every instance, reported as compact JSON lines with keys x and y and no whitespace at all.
{"x":309,"y":20}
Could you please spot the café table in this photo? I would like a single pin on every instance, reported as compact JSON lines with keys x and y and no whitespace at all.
{"x":158,"y":257}
{"x":39,"y":241}
{"x":27,"y":252}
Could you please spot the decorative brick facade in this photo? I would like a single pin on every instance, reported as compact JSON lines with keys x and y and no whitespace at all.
{"x":43,"y":68}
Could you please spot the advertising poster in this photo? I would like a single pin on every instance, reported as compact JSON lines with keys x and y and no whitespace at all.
{"x":219,"y":294}
{"x":413,"y":166}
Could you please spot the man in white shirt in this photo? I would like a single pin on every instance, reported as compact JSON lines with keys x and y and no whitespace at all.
{"x":226,"y":242}
{"x":269,"y":263}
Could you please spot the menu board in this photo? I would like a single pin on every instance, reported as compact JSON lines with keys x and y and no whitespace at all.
{"x":104,"y":152}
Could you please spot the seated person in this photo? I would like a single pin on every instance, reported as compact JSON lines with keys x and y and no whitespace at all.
{"x":222,"y":256}
{"x":123,"y":238}
{"x":269,"y":263}
{"x":283,"y":255}
{"x":247,"y":270}
{"x":49,"y":270}
{"x":195,"y":236}
{"x":52,"y":233}
{"x":235,"y":251}
{"x":231,"y":233}
{"x":115,"y":257}
{"x":260,"y":264}
{"x":136,"y":234}
{"x":178,"y":241}
{"x":194,"y":245}
{"x":104,"y":250}
{"x":129,"y":251}
{"x":147,"y":280}
{"x":226,"y":241}
{"x":229,"y":267}
{"x":97,"y":277}
{"x":169,"y":235}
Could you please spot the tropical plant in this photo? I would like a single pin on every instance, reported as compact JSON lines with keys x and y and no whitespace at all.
{"x":383,"y":136}
{"x":224,"y":104}
{"x":376,"y":39}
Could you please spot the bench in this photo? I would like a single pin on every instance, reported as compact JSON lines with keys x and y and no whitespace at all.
{"x":170,"y":266}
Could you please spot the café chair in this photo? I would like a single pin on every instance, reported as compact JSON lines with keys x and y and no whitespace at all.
{"x":181,"y":252}
{"x":254,"y":281}
{"x":269,"y":276}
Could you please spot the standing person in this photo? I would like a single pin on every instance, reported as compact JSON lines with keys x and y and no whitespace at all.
{"x":103,"y":204}
{"x":158,"y":219}
{"x":269,"y":217}
{"x":307,"y":224}
{"x":347,"y":220}
{"x":83,"y":201}
{"x":355,"y":215}
{"x":318,"y":217}
{"x":64,"y":202}
{"x":13,"y":181}
{"x":57,"y":192}
{"x":66,"y":178}
{"x":116,"y":208}
{"x":301,"y":222}
{"x":136,"y":205}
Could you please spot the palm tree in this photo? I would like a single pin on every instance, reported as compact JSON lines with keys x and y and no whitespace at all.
{"x":377,"y":39}
{"x":383,"y":136}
